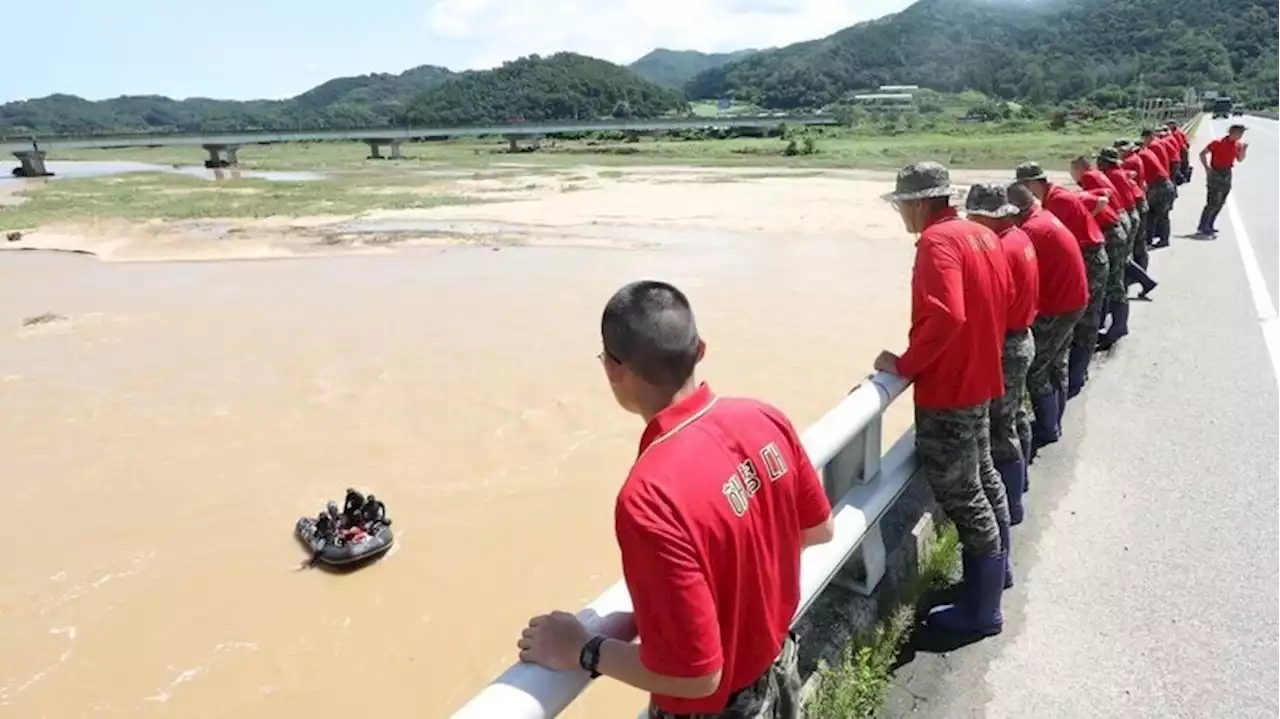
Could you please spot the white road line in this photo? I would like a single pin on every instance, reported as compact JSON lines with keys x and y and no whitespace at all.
{"x":1257,"y":287}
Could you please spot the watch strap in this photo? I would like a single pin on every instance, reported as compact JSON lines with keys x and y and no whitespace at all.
{"x":589,"y":656}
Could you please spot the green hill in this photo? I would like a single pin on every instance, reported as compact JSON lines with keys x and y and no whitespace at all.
{"x":673,"y":68}
{"x":361,"y":101}
{"x":1048,"y":51}
{"x":560,"y":87}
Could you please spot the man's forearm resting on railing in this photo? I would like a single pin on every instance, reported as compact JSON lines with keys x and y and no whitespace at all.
{"x":621,"y":661}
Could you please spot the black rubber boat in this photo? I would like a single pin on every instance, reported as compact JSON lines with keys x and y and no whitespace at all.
{"x":368,"y":547}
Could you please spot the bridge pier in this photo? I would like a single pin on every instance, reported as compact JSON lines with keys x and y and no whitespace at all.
{"x":32,"y":164}
{"x":216,"y":153}
{"x":375,"y":148}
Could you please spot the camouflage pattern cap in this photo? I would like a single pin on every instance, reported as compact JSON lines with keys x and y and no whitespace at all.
{"x":1122,"y":144}
{"x":989,"y":200}
{"x":1109,"y":154}
{"x":920,"y":181}
{"x":1028,"y":171}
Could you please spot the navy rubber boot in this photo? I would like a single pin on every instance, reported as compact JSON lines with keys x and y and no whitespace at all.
{"x":1119,"y":328}
{"x":1136,"y":274}
{"x":1006,"y":548}
{"x":1077,"y":369}
{"x":977,"y":611}
{"x":1045,"y":429}
{"x":1013,"y":476}
{"x":1061,"y":394}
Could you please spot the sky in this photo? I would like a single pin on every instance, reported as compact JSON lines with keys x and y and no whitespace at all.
{"x":244,"y":49}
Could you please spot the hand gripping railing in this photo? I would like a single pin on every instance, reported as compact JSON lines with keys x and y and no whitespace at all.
{"x":845,"y":445}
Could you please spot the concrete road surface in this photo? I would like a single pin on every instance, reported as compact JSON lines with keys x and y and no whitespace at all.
{"x":1148,"y":566}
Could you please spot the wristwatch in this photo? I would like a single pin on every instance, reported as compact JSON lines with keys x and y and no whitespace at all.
{"x":589,"y":656}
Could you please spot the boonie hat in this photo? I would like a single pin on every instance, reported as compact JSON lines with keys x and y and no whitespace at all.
{"x":1122,"y":144}
{"x":1029,"y":171}
{"x":986,"y":199}
{"x":920,"y":181}
{"x":1109,"y":154}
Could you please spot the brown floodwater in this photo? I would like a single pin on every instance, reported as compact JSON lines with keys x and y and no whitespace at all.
{"x":157,"y":445}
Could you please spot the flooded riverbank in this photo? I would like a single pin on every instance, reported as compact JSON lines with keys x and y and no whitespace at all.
{"x":168,"y":422}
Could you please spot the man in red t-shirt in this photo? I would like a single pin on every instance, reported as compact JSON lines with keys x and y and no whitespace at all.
{"x":1160,"y":190}
{"x":1108,"y":205}
{"x":1070,"y":209}
{"x":1184,"y":154}
{"x":1218,"y":159}
{"x":1133,"y":166}
{"x":1109,"y":162}
{"x":1064,"y":294}
{"x":960,"y":296}
{"x":960,"y":305}
{"x":988,"y":205}
{"x":710,"y":522}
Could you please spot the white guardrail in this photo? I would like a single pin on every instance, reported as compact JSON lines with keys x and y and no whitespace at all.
{"x":845,"y":446}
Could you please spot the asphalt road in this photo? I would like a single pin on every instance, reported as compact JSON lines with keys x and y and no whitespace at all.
{"x":1148,"y":567}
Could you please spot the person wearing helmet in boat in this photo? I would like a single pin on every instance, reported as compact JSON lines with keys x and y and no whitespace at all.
{"x":374,"y":513}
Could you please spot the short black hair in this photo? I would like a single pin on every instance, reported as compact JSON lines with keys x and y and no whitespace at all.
{"x":1147,"y":132}
{"x":1021,"y":197}
{"x":648,"y":326}
{"x":1235,"y":127}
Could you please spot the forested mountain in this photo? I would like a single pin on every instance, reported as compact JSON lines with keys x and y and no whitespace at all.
{"x":375,"y":100}
{"x":673,"y":68}
{"x":1042,"y":51}
{"x":564,"y":86}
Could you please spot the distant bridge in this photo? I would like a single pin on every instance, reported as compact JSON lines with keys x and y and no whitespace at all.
{"x":31,"y":151}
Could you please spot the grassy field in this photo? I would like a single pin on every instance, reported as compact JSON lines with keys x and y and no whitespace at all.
{"x":354,"y":184}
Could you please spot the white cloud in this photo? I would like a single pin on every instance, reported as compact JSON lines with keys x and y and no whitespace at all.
{"x":488,"y":32}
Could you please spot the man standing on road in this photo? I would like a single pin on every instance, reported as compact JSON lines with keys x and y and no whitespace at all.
{"x":1218,"y":158}
{"x":1184,"y":151}
{"x":1107,"y":205}
{"x":960,"y":293}
{"x":1070,"y":210}
{"x":710,"y":522}
{"x":1064,"y":294}
{"x":1131,"y":163}
{"x":1110,"y":163}
{"x":988,"y":205}
{"x":1160,"y":190}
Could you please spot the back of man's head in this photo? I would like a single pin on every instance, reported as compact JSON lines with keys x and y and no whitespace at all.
{"x":1021,"y":198}
{"x":648,"y":326}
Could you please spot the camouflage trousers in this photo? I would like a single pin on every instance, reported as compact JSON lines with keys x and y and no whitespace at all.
{"x":1119,"y":246}
{"x":1140,"y":233}
{"x":1048,"y":371}
{"x":1219,"y":186}
{"x":1010,"y":420}
{"x":1097,"y":268}
{"x":954,"y":448}
{"x":775,"y":695}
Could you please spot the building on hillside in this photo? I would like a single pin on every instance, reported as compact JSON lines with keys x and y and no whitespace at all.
{"x":899,"y":88}
{"x":884,"y":98}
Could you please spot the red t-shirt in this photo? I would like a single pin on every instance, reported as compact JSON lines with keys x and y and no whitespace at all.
{"x":1064,"y":286}
{"x":710,"y":524}
{"x":1133,"y":163}
{"x":1020,"y":255}
{"x":960,"y":289}
{"x":1153,"y":164}
{"x":1169,"y":147}
{"x":1223,"y":153}
{"x":1071,"y":210}
{"x":1125,"y":195}
{"x":1107,"y":217}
